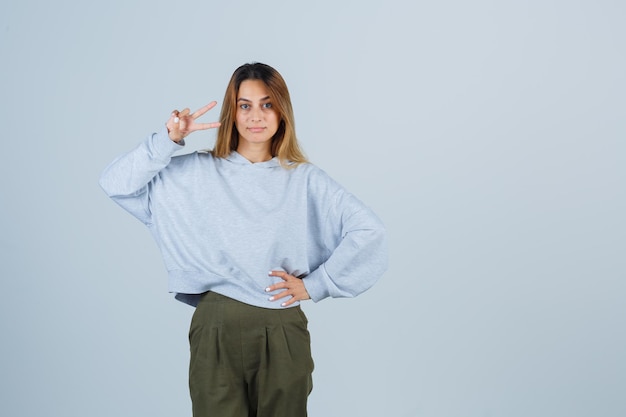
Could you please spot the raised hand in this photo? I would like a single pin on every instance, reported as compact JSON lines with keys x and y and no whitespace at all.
{"x":293,"y":286}
{"x":181,"y":124}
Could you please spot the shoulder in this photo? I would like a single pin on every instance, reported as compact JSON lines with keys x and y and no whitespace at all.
{"x":191,"y":159}
{"x":318,"y":182}
{"x":312,"y":172}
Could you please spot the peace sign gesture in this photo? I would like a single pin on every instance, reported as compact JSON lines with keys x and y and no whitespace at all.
{"x":183,"y":123}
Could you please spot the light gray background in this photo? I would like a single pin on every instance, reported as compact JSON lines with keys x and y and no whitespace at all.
{"x":488,"y":135}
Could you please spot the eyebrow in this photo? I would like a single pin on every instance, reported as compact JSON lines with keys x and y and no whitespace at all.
{"x":245,"y":99}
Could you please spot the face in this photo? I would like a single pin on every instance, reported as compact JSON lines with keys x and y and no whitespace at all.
{"x":255,"y":120}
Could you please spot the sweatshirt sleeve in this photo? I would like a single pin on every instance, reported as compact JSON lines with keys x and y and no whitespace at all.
{"x":126,"y":179}
{"x":359,"y":254}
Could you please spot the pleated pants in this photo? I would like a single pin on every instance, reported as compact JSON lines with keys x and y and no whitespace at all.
{"x":248,"y":361}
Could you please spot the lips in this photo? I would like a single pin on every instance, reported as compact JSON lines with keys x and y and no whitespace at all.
{"x":256,"y":129}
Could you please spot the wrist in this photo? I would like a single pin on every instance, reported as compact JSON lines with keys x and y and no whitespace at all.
{"x":173,"y":138}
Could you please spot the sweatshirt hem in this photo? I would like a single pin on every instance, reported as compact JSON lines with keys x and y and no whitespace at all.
{"x":188,"y":287}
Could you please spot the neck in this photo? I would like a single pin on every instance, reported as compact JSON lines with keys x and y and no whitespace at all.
{"x":255,"y":154}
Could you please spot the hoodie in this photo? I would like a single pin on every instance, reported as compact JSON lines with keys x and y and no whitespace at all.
{"x":222,"y":224}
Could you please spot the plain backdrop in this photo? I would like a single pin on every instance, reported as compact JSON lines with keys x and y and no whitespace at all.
{"x":488,"y":135}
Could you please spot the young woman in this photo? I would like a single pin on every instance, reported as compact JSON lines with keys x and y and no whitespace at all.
{"x":223,"y":219}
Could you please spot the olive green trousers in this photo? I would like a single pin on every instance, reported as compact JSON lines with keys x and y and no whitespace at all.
{"x":248,"y":361}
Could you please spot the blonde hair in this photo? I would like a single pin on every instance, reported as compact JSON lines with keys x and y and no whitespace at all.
{"x":284,"y":143}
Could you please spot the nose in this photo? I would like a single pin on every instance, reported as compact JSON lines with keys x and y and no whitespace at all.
{"x":256,"y":115}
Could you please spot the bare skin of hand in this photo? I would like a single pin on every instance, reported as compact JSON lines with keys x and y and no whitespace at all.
{"x":291,"y":285}
{"x":182,"y":123}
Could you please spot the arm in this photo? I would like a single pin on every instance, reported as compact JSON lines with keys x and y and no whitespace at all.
{"x":358,"y":245}
{"x":126,"y":179}
{"x":359,"y":258}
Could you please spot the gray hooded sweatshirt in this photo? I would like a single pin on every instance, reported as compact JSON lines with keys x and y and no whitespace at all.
{"x":222,"y":224}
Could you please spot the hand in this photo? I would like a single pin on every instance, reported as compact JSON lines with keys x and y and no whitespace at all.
{"x":183,"y":123}
{"x":293,"y":287}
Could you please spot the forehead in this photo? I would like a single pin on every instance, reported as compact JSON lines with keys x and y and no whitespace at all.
{"x":253,"y":90}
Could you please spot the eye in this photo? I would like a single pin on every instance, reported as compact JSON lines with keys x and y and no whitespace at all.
{"x":244,"y":106}
{"x":267,"y":105}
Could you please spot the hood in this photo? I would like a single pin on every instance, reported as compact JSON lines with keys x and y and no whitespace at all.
{"x":237,"y":158}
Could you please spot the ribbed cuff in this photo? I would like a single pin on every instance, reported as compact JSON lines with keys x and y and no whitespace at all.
{"x":163,"y":145}
{"x":315,"y":284}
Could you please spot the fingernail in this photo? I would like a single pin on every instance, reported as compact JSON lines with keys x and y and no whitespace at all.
{"x":284,"y":305}
{"x":271,"y":298}
{"x":176,"y":120}
{"x":270,"y":273}
{"x":267,"y":289}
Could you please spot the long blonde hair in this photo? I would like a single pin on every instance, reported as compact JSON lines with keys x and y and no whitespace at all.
{"x":284,"y":143}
